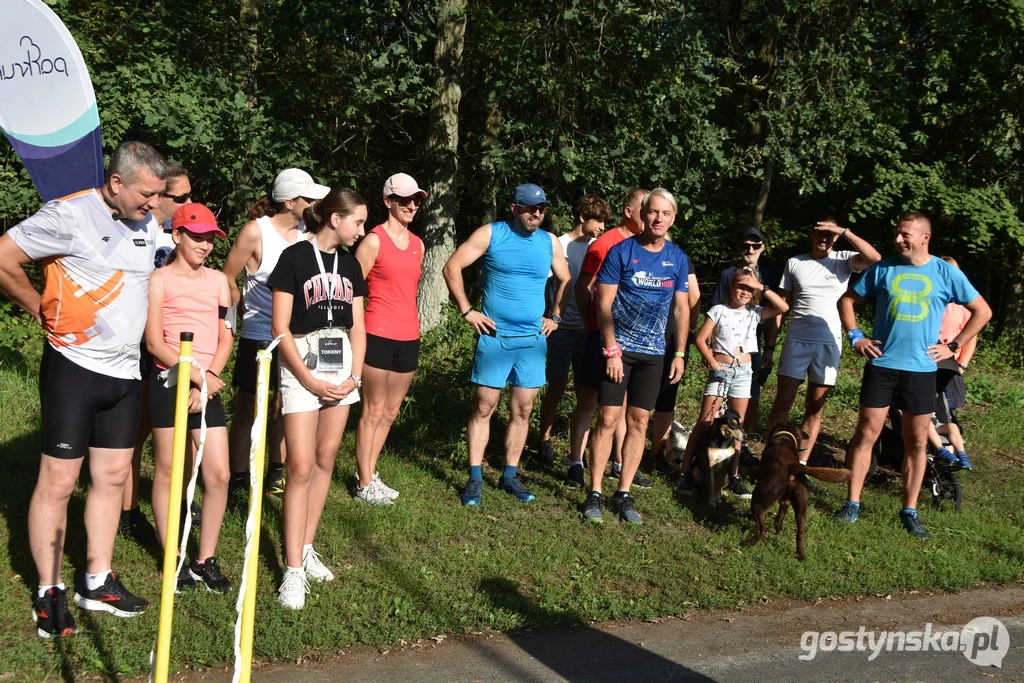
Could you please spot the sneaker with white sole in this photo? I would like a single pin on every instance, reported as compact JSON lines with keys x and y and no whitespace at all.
{"x":315,"y":568}
{"x":293,"y":589}
{"x":372,"y":494}
{"x":387,"y":490}
{"x":111,"y":597}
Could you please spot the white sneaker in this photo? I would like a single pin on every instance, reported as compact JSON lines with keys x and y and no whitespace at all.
{"x":373,"y":495}
{"x":292,"y":593}
{"x":315,"y":569}
{"x":385,"y":489}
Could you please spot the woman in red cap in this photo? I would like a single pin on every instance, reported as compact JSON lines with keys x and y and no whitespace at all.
{"x":391,"y":258}
{"x":186,"y":296}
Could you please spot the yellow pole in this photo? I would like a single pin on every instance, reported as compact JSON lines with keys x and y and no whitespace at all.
{"x":170,"y":580}
{"x":243,"y":668}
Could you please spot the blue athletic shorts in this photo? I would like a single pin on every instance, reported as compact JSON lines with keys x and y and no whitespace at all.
{"x":515,"y":360}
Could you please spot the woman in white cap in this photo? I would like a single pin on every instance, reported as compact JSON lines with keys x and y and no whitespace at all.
{"x":391,"y":258}
{"x":275,"y":223}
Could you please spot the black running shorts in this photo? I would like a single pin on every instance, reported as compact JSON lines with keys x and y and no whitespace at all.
{"x":395,"y":356}
{"x":913,"y":392}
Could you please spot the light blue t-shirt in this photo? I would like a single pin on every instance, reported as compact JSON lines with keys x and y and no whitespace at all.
{"x":515,"y":269}
{"x":909,"y":304}
{"x":647,"y":284}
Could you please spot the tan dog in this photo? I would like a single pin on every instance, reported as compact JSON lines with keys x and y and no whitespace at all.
{"x":715,"y":449}
{"x":782,"y":479}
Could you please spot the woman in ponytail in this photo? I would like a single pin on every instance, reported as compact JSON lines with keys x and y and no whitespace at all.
{"x":318,"y":292}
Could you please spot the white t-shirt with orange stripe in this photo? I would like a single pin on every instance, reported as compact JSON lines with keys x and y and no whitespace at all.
{"x":96,"y":284}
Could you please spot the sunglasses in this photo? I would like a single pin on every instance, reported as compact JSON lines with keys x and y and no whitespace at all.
{"x":405,"y":201}
{"x":532,"y":208}
{"x":177,"y":198}
{"x":751,"y":246}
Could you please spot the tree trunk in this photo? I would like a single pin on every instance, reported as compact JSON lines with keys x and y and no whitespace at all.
{"x":762,"y":195}
{"x":442,"y":149}
{"x":248,"y":21}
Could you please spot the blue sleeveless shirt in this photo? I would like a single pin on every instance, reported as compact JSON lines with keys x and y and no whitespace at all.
{"x":515,"y":270}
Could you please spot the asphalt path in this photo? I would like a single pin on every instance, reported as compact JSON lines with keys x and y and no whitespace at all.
{"x":785,"y":640}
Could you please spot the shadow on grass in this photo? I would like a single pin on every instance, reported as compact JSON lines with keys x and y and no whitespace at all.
{"x":582,"y":653}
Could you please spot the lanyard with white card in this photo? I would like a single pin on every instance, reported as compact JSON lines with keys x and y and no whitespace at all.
{"x":327,"y":347}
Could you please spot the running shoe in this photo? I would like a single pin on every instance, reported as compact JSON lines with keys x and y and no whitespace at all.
{"x":473,"y":493}
{"x":945,"y":457}
{"x":185,"y":580}
{"x":546,"y":451}
{"x":684,"y":484}
{"x":391,"y":493}
{"x":136,"y":526}
{"x":50,"y":612}
{"x":316,"y":570}
{"x":111,"y":597}
{"x":912,"y":523}
{"x":293,"y":589}
{"x":623,"y":504}
{"x":210,"y":574}
{"x":574,"y":476}
{"x":592,"y":508}
{"x":737,"y":488}
{"x":748,"y":459}
{"x":964,"y":461}
{"x":372,"y":494}
{"x":847,"y":514}
{"x":273,"y":483}
{"x":639,"y":480}
{"x":515,"y":487}
{"x":238,"y":493}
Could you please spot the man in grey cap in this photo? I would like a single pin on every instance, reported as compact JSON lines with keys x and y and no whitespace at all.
{"x":512,"y":347}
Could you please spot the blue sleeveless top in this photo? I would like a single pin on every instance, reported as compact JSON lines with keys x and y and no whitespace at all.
{"x":515,"y":274}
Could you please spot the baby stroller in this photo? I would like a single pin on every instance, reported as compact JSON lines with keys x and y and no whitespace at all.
{"x":940,"y":479}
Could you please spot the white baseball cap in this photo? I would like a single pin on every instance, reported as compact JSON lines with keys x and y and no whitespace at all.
{"x":402,"y":185}
{"x":294,"y":182}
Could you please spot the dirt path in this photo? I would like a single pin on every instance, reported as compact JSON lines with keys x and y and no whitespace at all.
{"x":756,"y":643}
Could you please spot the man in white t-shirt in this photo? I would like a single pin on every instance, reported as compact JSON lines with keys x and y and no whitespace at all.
{"x":97,"y":248}
{"x":566,"y":344}
{"x":812,"y":284}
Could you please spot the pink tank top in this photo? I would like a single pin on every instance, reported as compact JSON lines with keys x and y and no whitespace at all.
{"x":192,"y":306}
{"x":392,"y":284}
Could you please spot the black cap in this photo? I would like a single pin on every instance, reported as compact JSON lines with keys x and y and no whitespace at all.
{"x":751,"y":233}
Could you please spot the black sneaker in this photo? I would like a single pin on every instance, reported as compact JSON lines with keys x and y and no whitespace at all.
{"x":622,"y":502}
{"x":273,"y":483}
{"x":546,"y":451}
{"x":238,"y":493}
{"x":111,"y":597}
{"x":642,"y":481}
{"x":185,"y":580}
{"x":912,"y":523}
{"x":748,"y":459}
{"x":574,"y":476}
{"x":209,"y":573}
{"x":737,"y":488}
{"x":684,"y":484}
{"x":136,"y":526}
{"x":592,"y":508}
{"x":197,"y":515}
{"x":50,"y":612}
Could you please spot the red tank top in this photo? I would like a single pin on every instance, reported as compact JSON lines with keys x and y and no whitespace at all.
{"x":393,"y":283}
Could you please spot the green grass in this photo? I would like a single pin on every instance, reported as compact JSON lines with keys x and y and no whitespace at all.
{"x":427,"y":566}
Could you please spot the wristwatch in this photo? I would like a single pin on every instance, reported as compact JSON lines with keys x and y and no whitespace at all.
{"x":556,"y":319}
{"x":954,"y":346}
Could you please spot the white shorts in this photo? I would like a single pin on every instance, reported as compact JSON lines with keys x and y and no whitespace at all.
{"x":817,"y":361}
{"x":295,"y":398}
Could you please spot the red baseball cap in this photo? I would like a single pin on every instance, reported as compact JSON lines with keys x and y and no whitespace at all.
{"x":196,"y":218}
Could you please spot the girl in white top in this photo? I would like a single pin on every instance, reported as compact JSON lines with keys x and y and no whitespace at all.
{"x":275,"y":224}
{"x":732,"y":329}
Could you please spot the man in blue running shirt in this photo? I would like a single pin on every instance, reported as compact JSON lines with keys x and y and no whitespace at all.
{"x":512,"y":347}
{"x":911,"y":291}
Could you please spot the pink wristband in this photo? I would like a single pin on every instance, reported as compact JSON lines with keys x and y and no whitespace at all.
{"x":613,"y":351}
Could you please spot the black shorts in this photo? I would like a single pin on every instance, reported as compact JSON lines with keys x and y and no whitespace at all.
{"x":244,"y":376}
{"x":667,"y":392}
{"x":565,"y":348}
{"x":161,"y":406}
{"x":81,"y":408}
{"x":913,"y":392}
{"x":388,"y":354}
{"x":593,"y":361}
{"x":641,"y":379}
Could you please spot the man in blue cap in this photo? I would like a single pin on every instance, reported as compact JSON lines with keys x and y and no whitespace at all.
{"x":512,"y":347}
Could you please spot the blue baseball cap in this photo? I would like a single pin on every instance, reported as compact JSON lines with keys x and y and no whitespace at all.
{"x":530,"y":195}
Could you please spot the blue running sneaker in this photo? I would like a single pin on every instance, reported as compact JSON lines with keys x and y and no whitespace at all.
{"x":946,"y":457}
{"x":912,"y":523}
{"x":474,"y":490}
{"x":965,"y":462}
{"x":515,"y":487}
{"x":847,"y":514}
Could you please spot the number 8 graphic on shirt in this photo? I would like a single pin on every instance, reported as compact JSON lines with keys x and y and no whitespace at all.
{"x":910,"y":298}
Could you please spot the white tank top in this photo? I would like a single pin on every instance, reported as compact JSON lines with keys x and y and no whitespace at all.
{"x":256,"y":296}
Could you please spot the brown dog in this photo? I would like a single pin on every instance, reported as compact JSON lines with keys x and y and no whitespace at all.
{"x":715,"y":448}
{"x":781,"y":478}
